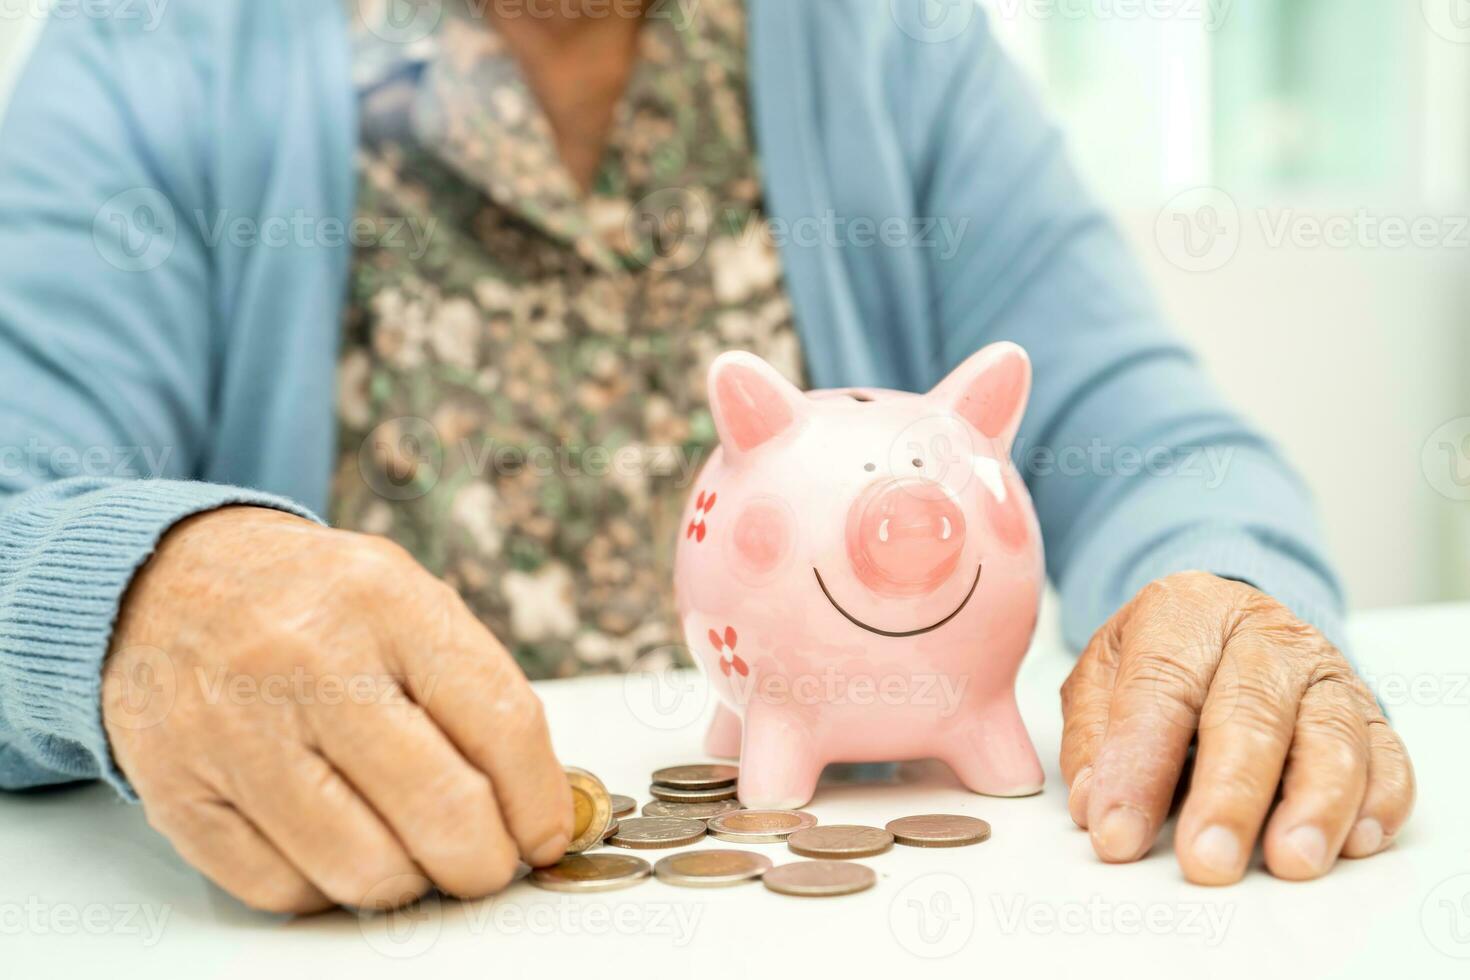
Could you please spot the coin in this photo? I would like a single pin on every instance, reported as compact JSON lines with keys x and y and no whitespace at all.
{"x":694,"y":811}
{"x":710,"y":869}
{"x":613,"y":829}
{"x":697,"y":776}
{"x":623,"y":805}
{"x":938,"y":830}
{"x":760,"y":826}
{"x":598,"y":872}
{"x":672,"y":794}
{"x":819,"y":878}
{"x":591,"y":809}
{"x":839,"y":841}
{"x":643,"y":833}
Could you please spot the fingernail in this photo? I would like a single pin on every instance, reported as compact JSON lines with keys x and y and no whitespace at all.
{"x":549,"y":851}
{"x":1310,"y":844}
{"x":1217,"y":849}
{"x":1122,"y":834}
{"x":1366,"y":838}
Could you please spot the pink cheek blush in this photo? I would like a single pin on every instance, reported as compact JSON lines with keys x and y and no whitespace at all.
{"x":1006,"y":517}
{"x":762,"y":536}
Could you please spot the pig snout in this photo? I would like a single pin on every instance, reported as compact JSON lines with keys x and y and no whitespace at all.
{"x":904,"y":537}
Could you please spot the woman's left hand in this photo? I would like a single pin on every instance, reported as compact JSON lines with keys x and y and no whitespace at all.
{"x":1273,"y":705}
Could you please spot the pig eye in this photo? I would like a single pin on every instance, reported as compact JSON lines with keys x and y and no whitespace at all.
{"x":918,"y":464}
{"x":870,"y":467}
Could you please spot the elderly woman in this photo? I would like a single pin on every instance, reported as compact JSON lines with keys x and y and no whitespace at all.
{"x":285,"y":259}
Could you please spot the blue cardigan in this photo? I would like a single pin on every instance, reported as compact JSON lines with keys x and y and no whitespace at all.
{"x":205,"y":362}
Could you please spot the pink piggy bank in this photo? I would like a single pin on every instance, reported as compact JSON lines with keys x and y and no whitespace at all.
{"x":859,"y":576}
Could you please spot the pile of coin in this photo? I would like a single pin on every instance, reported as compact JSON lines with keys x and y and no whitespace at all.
{"x":693,"y":801}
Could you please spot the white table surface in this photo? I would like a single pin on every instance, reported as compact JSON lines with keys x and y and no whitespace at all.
{"x":86,"y":889}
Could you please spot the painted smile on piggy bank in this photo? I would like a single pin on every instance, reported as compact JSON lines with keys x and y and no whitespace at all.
{"x":899,"y":634}
{"x":838,"y":539}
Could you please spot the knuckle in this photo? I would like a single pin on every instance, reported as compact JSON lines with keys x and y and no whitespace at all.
{"x":281,"y":894}
{"x":517,"y":713}
{"x":1168,"y":675}
{"x":488,"y":874}
{"x":447,"y":804}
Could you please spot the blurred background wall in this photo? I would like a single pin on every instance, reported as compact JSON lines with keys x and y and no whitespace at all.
{"x":1295,"y":177}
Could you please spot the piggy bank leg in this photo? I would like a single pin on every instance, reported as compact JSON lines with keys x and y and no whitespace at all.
{"x":992,"y":754}
{"x":779,"y":762}
{"x":723,"y":738}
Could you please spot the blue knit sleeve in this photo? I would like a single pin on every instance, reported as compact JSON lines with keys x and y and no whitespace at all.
{"x":1137,"y":466}
{"x":106,"y":360}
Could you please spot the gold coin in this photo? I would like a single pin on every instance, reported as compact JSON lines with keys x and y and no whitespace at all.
{"x":643,"y":833}
{"x":699,"y":776}
{"x":819,"y":879}
{"x":839,"y":841}
{"x":622,"y":805}
{"x":710,"y":869}
{"x":760,"y":826}
{"x":599,"y":872}
{"x":694,"y":811}
{"x":939,"y":830}
{"x":673,"y":794}
{"x":591,"y":810}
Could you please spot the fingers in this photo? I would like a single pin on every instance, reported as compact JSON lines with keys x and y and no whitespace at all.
{"x":213,"y":837}
{"x":497,"y":723}
{"x":440,"y":807}
{"x":1165,"y":669}
{"x":1248,"y":721}
{"x":1390,"y":794}
{"x":1326,"y":775}
{"x":304,"y":807}
{"x":1085,"y":699}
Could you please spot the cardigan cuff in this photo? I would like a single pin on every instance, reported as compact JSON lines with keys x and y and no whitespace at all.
{"x":73,"y":557}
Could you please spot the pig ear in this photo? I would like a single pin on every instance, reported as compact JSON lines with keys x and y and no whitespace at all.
{"x":752,"y":403}
{"x":989,"y":390}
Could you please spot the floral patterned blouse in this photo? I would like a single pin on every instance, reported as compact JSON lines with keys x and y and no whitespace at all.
{"x":521,"y":391}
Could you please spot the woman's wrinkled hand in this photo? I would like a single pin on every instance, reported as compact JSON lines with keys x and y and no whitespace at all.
{"x":1289,"y":737}
{"x":313,"y":719}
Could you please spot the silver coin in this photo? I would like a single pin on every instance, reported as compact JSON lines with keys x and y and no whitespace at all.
{"x":819,"y":879}
{"x":672,"y":794}
{"x":622,"y":806}
{"x":938,"y":830}
{"x":694,"y":811}
{"x":839,"y":841}
{"x":710,"y":869}
{"x":598,"y":872}
{"x":701,"y":776}
{"x":643,"y":833}
{"x":760,"y":826}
